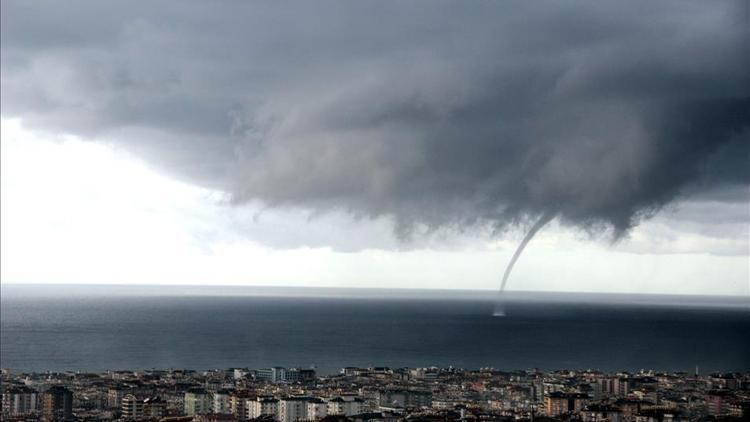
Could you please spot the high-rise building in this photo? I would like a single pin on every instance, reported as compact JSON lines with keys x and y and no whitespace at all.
{"x":601,"y":413}
{"x":404,"y":398}
{"x":278,"y":374}
{"x":559,"y":403}
{"x":306,"y":375}
{"x":621,"y":387}
{"x":57,"y":404}
{"x":262,"y":406}
{"x":316,"y":409}
{"x":275,"y":374}
{"x":345,"y":406}
{"x":239,"y":373}
{"x":154,"y":407}
{"x":114,"y":398}
{"x":132,"y":407}
{"x":426,"y":374}
{"x":197,"y":402}
{"x":717,"y":402}
{"x":221,"y":402}
{"x":20,"y":401}
{"x":238,"y":404}
{"x":293,"y":409}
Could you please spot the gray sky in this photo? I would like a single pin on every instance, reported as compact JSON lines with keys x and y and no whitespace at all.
{"x":378,"y":143}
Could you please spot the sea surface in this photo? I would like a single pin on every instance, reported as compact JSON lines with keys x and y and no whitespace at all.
{"x":85,"y":328}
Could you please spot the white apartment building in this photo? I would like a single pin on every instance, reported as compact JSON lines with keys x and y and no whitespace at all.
{"x":346,"y":406}
{"x":197,"y":402}
{"x":238,"y":405}
{"x":316,"y":409}
{"x":114,"y":398}
{"x":132,"y":407}
{"x":221,"y":402}
{"x":20,"y":401}
{"x":293,"y":409}
{"x":261,"y":406}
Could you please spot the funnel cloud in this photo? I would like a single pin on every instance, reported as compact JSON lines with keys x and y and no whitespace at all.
{"x":543,"y":220}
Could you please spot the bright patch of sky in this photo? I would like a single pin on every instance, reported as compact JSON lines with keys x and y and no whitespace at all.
{"x":75,"y":211}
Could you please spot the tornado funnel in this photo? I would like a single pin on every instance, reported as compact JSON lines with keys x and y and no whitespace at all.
{"x":543,"y":220}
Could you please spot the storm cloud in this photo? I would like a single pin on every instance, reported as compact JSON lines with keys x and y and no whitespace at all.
{"x":439,"y":114}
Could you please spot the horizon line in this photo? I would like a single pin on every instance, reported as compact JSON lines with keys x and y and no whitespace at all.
{"x":530,"y":297}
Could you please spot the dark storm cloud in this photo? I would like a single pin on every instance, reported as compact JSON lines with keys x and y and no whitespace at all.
{"x":442,"y":114}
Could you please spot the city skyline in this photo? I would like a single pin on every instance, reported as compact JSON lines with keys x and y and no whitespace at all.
{"x":377,"y":393}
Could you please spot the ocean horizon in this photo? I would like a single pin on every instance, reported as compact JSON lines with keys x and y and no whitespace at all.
{"x":94,"y":328}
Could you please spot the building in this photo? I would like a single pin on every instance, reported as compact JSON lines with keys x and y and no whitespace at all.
{"x":238,"y":404}
{"x":20,"y":401}
{"x":138,"y":408}
{"x":221,"y":402}
{"x":214,"y":417}
{"x":717,"y":403}
{"x":293,"y":409}
{"x":404,"y":398}
{"x":601,"y":413}
{"x":262,"y":406}
{"x":197,"y":402}
{"x":425,"y":374}
{"x":154,"y":407}
{"x":657,"y":415}
{"x":351,"y":371}
{"x":114,"y":398}
{"x":275,"y":374}
{"x":239,"y":373}
{"x":132,"y":407}
{"x":316,"y":409}
{"x":725,"y":381}
{"x":621,"y":387}
{"x":278,"y":374}
{"x":306,"y":375}
{"x":559,"y":403}
{"x":345,"y":406}
{"x":57,"y":404}
{"x":612,"y":386}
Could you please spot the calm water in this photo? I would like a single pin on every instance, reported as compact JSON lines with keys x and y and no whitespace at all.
{"x":98,"y":332}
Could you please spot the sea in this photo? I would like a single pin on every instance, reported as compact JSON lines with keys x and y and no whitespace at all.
{"x":99,"y":328}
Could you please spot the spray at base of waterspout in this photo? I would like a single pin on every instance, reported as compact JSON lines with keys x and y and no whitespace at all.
{"x":499,"y":311}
